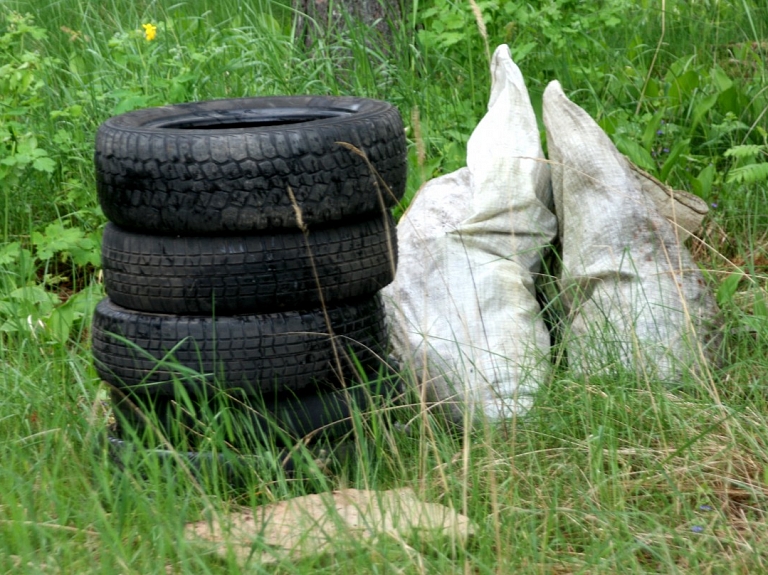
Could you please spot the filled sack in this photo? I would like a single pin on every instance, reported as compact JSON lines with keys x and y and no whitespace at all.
{"x":462,"y":310}
{"x":633,"y":296}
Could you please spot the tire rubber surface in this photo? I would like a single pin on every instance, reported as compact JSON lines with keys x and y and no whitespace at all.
{"x":255,"y":273}
{"x":253,"y":353}
{"x":226,"y":166}
{"x":312,"y":414}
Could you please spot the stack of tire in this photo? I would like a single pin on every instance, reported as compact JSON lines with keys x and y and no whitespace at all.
{"x":248,"y":239}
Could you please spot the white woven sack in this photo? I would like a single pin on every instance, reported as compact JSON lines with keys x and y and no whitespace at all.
{"x":633,"y":295}
{"x":462,"y":309}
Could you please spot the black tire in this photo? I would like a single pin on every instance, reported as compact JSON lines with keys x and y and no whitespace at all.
{"x":226,"y":165}
{"x":253,"y":353}
{"x":285,"y":418}
{"x":248,"y":274}
{"x":232,"y":467}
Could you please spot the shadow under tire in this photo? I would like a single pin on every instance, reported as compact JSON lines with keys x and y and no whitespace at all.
{"x":226,"y":166}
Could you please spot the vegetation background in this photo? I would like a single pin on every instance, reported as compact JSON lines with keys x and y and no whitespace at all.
{"x":606,"y":475}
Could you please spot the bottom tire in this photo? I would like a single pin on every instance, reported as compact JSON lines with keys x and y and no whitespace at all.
{"x":237,"y":470}
{"x":253,"y":353}
{"x":252,"y":422}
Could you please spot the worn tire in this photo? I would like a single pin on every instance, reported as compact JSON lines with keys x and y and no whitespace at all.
{"x":253,"y":353}
{"x":248,"y":273}
{"x":311,"y":414}
{"x":227,"y":165}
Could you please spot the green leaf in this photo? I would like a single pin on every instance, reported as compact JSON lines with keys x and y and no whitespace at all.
{"x":44,"y":164}
{"x":682,"y":87}
{"x":760,"y":307}
{"x":721,"y":79}
{"x":59,"y":322}
{"x":748,"y":174}
{"x":748,"y":151}
{"x":131,"y":101}
{"x":681,"y":147}
{"x":36,"y":295}
{"x":520,"y":52}
{"x":732,"y":100}
{"x":701,"y":108}
{"x":27,"y":144}
{"x":84,"y":301}
{"x":454,"y":22}
{"x":60,"y":239}
{"x":609,"y":124}
{"x":702,"y":184}
{"x":270,"y":24}
{"x":448,"y":39}
{"x":651,"y":128}
{"x":652,"y":89}
{"x":10,"y":325}
{"x":9,"y":253}
{"x":728,"y":288}
{"x":636,"y":153}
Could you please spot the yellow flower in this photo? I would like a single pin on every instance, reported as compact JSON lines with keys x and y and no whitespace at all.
{"x":150,"y":31}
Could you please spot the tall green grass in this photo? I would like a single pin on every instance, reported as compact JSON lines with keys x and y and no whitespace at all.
{"x":605,"y":475}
